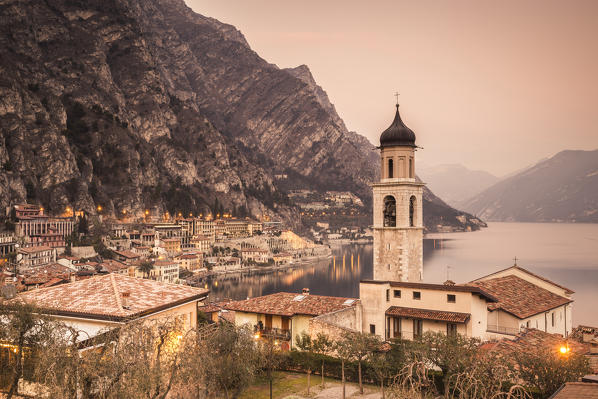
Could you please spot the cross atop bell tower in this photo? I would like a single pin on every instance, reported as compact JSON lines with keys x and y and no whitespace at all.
{"x":398,"y":218}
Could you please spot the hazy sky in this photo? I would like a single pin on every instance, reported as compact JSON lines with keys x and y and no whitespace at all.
{"x":494,"y":85}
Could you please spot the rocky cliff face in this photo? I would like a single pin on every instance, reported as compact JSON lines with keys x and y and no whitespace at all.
{"x":132,"y":104}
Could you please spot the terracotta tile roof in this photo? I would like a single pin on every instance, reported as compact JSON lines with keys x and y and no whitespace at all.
{"x":531,"y":338}
{"x":32,"y":250}
{"x":567,"y":290}
{"x":111,"y":266}
{"x":520,"y":297}
{"x":585,"y":334}
{"x":127,"y":254}
{"x":474,"y":289}
{"x":99,"y":297}
{"x":577,"y":390}
{"x":427,"y":314}
{"x":289,"y":304}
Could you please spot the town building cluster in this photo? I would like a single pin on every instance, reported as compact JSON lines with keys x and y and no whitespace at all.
{"x":44,"y":250}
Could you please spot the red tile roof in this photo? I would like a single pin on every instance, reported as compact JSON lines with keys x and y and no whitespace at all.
{"x":32,"y":250}
{"x":99,"y":297}
{"x":577,"y":390}
{"x":427,"y":314}
{"x":519,"y":297}
{"x":567,"y":290}
{"x":289,"y":304}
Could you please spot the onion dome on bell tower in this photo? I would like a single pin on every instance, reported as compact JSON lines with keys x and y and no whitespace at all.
{"x":397,"y":134}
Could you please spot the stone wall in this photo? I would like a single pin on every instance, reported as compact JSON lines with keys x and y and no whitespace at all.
{"x":335,"y":324}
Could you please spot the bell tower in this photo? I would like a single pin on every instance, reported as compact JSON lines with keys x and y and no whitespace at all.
{"x":398,"y":222}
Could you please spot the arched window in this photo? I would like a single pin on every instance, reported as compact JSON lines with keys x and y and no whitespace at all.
{"x":412,"y":202}
{"x":390,"y":168}
{"x":411,"y":167}
{"x":390,"y":211}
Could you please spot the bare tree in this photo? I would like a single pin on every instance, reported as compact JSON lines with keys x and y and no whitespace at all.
{"x":24,"y":330}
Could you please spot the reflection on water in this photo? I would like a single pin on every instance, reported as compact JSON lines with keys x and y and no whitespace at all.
{"x":338,"y":276}
{"x":565,"y":253}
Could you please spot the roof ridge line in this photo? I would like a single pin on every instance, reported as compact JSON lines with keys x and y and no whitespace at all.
{"x":116,"y":292}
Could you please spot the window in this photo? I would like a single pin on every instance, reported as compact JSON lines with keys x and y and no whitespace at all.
{"x":451,"y":329}
{"x":417,"y":328}
{"x":387,"y":295}
{"x":553,"y":319}
{"x":397,"y":293}
{"x":410,"y":167}
{"x":372,"y":329}
{"x":390,"y":211}
{"x":417,"y":295}
{"x":528,"y":324}
{"x":390,"y":168}
{"x":412,"y":202}
{"x":451,"y":298}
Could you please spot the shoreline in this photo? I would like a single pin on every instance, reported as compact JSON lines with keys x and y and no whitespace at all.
{"x":301,"y":262}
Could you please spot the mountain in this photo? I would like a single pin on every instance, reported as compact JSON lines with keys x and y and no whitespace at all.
{"x":455,"y":183}
{"x":563,"y":188}
{"x":132,"y":104}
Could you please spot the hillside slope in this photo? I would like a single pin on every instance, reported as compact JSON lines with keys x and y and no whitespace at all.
{"x":562,"y":188}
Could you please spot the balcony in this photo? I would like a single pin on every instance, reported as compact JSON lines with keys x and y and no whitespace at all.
{"x":502,"y":330}
{"x":276,"y":333}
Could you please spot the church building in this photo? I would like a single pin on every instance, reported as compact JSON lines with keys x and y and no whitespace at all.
{"x":396,"y":303}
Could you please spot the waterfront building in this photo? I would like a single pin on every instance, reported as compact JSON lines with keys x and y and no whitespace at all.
{"x":191,"y":261}
{"x":255,"y":255}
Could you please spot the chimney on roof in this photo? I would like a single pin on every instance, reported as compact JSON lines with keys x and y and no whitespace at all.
{"x":305,"y":291}
{"x":124,"y":299}
{"x":449,"y":282}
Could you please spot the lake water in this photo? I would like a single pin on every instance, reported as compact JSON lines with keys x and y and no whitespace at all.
{"x":564,"y":253}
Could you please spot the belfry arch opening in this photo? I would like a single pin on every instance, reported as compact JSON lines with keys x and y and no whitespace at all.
{"x":412,"y":205}
{"x":390,"y":169}
{"x":390,"y":211}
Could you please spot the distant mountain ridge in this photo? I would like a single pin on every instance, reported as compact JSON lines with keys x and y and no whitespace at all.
{"x":137,"y":104}
{"x":563,"y":188}
{"x":455,"y":183}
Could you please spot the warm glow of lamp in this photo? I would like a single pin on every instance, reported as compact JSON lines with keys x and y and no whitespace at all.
{"x":564,"y":349}
{"x":146,"y":212}
{"x":256,"y":336}
{"x":99,"y":208}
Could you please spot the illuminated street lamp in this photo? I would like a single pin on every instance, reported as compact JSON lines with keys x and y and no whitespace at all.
{"x":99,"y":208}
{"x":564,"y":349}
